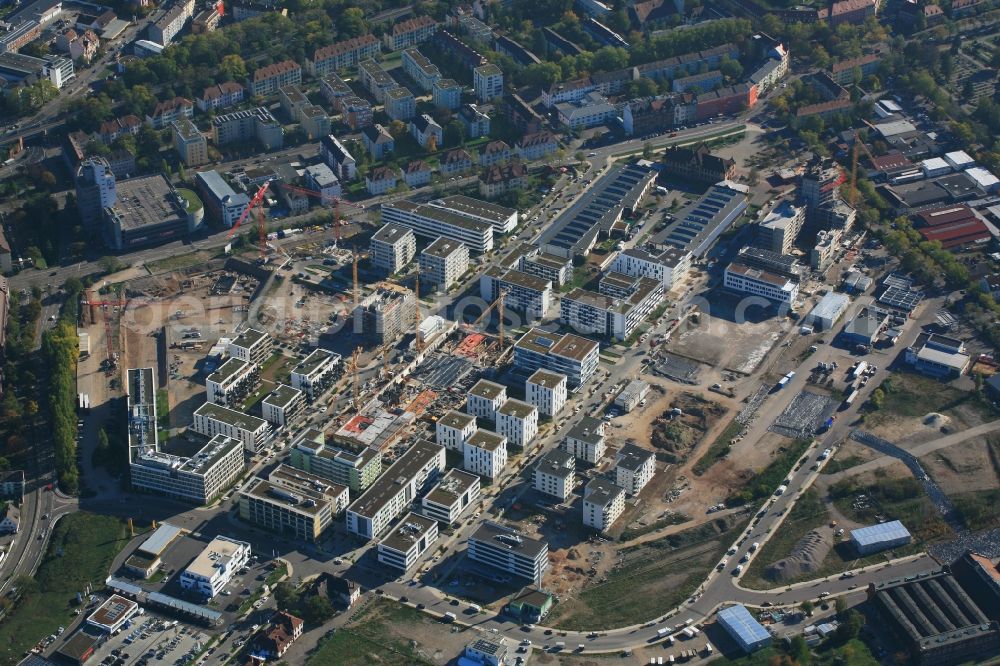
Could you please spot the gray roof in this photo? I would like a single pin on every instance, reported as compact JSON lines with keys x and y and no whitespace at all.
{"x":588,"y":430}
{"x":158,"y":541}
{"x":883,"y":532}
{"x":632,"y":457}
{"x":602,"y":492}
{"x":499,"y":536}
{"x":737,"y":620}
{"x":407,"y":532}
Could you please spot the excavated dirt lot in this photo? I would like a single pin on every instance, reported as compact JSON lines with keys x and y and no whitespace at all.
{"x":965,"y":467}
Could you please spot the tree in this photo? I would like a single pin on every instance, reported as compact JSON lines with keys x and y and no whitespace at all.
{"x":754,"y":176}
{"x":877,"y":399}
{"x":317,"y":610}
{"x":807,"y":607}
{"x":352,"y":23}
{"x":397,"y":128}
{"x":731,"y":69}
{"x":233,"y":67}
{"x":286,"y":596}
{"x":799,"y":650}
{"x":851,"y":626}
{"x":647,"y":150}
{"x":542,"y":74}
{"x":110,"y":264}
{"x":841,"y":607}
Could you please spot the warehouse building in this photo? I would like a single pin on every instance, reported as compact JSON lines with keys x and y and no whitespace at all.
{"x":402,"y":546}
{"x":448,"y":500}
{"x":568,"y":354}
{"x":505,"y":552}
{"x":199,"y":479}
{"x":935,"y":619}
{"x":293,"y":503}
{"x":741,"y":626}
{"x":828,"y":311}
{"x":707,"y":219}
{"x":876,"y":538}
{"x":938,"y":356}
{"x":394,"y":491}
{"x":146,"y":559}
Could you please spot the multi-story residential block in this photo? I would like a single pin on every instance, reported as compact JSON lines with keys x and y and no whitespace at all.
{"x":487,"y":81}
{"x":634,"y":467}
{"x":744,"y":279}
{"x":476,"y":29}
{"x":220,"y":96}
{"x":420,"y":69}
{"x":778,"y":231}
{"x":251,"y":345}
{"x":248,"y":124}
{"x":585,"y":440}
{"x":381,"y":180}
{"x":443,"y":262}
{"x":508,"y":552}
{"x":335,"y":90}
{"x":392,"y":493}
{"x":554,"y":474}
{"x":316,"y":373}
{"x":417,"y":173}
{"x":528,"y":293}
{"x":321,"y":178}
{"x":446,"y":94}
{"x":283,"y":406}
{"x":454,"y":428}
{"x":199,"y":479}
{"x":400,"y":104}
{"x":206,"y":20}
{"x":666,"y":264}
{"x":377,"y":141}
{"x":499,"y":179}
{"x":457,"y":51}
{"x":355,"y":469}
{"x":337,"y":157}
{"x":612,"y":316}
{"x":169,"y":111}
{"x":568,"y":354}
{"x":189,"y":142}
{"x":81,"y":45}
{"x":392,"y":247}
{"x":824,"y":250}
{"x":248,"y":9}
{"x":517,"y":421}
{"x":449,"y":499}
{"x":375,"y":79}
{"x":603,"y":503}
{"x":430,"y":221}
{"x":293,"y":503}
{"x":270,"y":79}
{"x":546,"y":266}
{"x":215,"y":567}
{"x":536,"y":146}
{"x":385,"y":315}
{"x":484,"y":399}
{"x":409,"y":33}
{"x":503,"y":219}
{"x":112,"y":130}
{"x":96,"y":189}
{"x":314,"y":121}
{"x":656,"y":114}
{"x":475,"y":122}
{"x":163,"y":30}
{"x":455,"y":162}
{"x":211,"y":420}
{"x":485,"y":454}
{"x":698,"y":164}
{"x":411,"y":538}
{"x":495,"y":152}
{"x":546,"y":391}
{"x":233,"y":381}
{"x":701,"y":82}
{"x":341,"y":55}
{"x":426,"y":132}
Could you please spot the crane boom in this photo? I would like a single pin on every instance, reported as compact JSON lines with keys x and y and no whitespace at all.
{"x":337,"y":203}
{"x":261,"y":230}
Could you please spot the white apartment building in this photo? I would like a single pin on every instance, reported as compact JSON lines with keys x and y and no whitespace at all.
{"x":634,"y":467}
{"x":321,"y":178}
{"x":211,"y":420}
{"x":508,"y":552}
{"x":252,"y":346}
{"x":454,"y":428}
{"x":546,"y":391}
{"x":411,"y":538}
{"x":449,"y":499}
{"x":668,"y":265}
{"x":503,"y":219}
{"x":603,"y":503}
{"x":421,"y":69}
{"x":198,"y":479}
{"x":779,"y":229}
{"x":774,"y":287}
{"x":594,"y":109}
{"x":283,"y":406}
{"x":392,"y":493}
{"x":393,"y":247}
{"x":343,"y":54}
{"x":293,"y":502}
{"x":431,"y":222}
{"x":215,"y":566}
{"x":443,"y":262}
{"x":554,"y":474}
{"x":585,"y":440}
{"x":485,"y":454}
{"x":231,"y":382}
{"x":618,"y":318}
{"x":517,"y":421}
{"x":528,"y":293}
{"x":336,"y":156}
{"x":571,"y":355}
{"x":487,"y":81}
{"x":316,"y":373}
{"x":484,"y":399}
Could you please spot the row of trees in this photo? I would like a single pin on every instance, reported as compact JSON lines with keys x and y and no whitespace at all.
{"x":60,"y":351}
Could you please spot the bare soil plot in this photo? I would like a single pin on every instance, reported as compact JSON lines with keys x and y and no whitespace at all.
{"x":964,"y":467}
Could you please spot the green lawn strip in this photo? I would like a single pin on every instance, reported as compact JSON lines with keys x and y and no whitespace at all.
{"x":368,"y":640}
{"x":162,"y":409}
{"x":719,"y":448}
{"x":81,"y":550}
{"x":839,"y":465}
{"x":978,"y":509}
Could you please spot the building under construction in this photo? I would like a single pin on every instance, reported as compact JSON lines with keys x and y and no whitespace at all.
{"x":385,"y":315}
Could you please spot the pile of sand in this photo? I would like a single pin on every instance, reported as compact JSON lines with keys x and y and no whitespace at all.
{"x":936,"y":421}
{"x":806,"y":556}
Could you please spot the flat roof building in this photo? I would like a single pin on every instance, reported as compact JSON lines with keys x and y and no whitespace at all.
{"x":292,"y":502}
{"x":546,"y":391}
{"x":444,"y":262}
{"x":211,"y":420}
{"x":317,"y":372}
{"x":571,"y":355}
{"x":392,"y":247}
{"x":634,"y":467}
{"x":507,"y":553}
{"x":485,"y":454}
{"x":433,"y":221}
{"x":252,"y":346}
{"x":585,"y":440}
{"x":554,"y":474}
{"x":774,"y":287}
{"x":449,"y":499}
{"x":405,"y":543}
{"x":357,"y":469}
{"x":283,"y":406}
{"x":215,"y":566}
{"x":485,"y":398}
{"x":603,"y":503}
{"x":148,"y":210}
{"x":200,"y":478}
{"x":111,"y":615}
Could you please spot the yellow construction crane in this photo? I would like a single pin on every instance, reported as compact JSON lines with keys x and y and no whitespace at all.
{"x":499,"y":303}
{"x":419,"y":343}
{"x":357,"y":287}
{"x":355,"y":378}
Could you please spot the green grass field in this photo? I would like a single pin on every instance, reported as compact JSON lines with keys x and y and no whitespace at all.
{"x":368,"y":640}
{"x":81,"y":550}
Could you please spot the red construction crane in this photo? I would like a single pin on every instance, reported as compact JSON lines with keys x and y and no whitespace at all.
{"x":337,"y":203}
{"x":261,"y":230}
